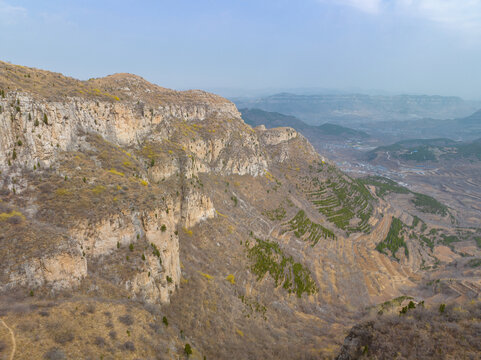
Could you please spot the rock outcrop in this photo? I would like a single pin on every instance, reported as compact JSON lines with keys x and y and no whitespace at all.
{"x":207,"y":136}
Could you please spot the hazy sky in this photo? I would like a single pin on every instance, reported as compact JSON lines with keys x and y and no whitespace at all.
{"x":402,"y":46}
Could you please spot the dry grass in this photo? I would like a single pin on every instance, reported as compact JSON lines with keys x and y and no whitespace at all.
{"x":419,"y":334}
{"x":113,"y":88}
{"x":83,"y":329}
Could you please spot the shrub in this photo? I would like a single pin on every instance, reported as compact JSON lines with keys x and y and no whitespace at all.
{"x":131,"y":247}
{"x":442,"y":307}
{"x":126,"y":319}
{"x":169,"y":279}
{"x":99,"y":341}
{"x":165,"y":321}
{"x":155,"y":250}
{"x":36,"y":123}
{"x":45,"y":119}
{"x":474,"y":263}
{"x":16,"y":219}
{"x":91,"y":308}
{"x":188,"y":349}
{"x":163,"y":228}
{"x":129,"y":345}
{"x":12,"y":216}
{"x":55,"y":354}
{"x":64,"y":336}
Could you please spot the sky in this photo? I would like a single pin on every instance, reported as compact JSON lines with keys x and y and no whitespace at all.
{"x":238,"y":46}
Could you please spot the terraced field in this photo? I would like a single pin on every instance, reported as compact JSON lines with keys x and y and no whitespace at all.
{"x":394,"y":239}
{"x":268,"y":258}
{"x":427,"y":237}
{"x":344,"y":201}
{"x":308,"y":230}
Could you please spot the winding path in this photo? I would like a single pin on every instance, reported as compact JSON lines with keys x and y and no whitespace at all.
{"x":12,"y":335}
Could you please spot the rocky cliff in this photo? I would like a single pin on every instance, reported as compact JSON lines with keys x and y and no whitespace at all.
{"x":37,"y":130}
{"x":159,"y":217}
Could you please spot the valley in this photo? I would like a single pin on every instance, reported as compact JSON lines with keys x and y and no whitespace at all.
{"x":143,"y":222}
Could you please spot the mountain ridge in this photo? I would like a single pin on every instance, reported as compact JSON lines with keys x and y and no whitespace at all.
{"x":357,"y":108}
{"x":160,"y":221}
{"x":256,"y":117}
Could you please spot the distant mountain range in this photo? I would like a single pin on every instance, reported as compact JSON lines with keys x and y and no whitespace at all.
{"x":420,"y":150}
{"x":357,"y":108}
{"x":256,"y":117}
{"x":464,"y":128}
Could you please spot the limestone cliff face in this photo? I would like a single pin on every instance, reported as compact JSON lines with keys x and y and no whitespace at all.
{"x":277,"y":135}
{"x":62,"y":270}
{"x":33,"y":132}
{"x":197,"y":207}
{"x":48,"y":127}
{"x":278,"y":140}
{"x":205,"y":131}
{"x":162,"y":271}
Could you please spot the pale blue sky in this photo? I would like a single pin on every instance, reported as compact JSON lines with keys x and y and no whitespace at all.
{"x":401,"y":46}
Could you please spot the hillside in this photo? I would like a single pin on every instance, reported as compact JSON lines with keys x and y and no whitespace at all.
{"x":142,"y":222}
{"x":443,"y":332}
{"x":256,"y":117}
{"x":462,"y":128}
{"x":420,"y":150}
{"x":473,"y":119}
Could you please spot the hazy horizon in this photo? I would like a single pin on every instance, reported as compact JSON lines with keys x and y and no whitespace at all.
{"x":399,"y":47}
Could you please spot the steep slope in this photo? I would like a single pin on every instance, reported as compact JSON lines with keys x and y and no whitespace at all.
{"x":137,"y":220}
{"x":444,"y":332}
